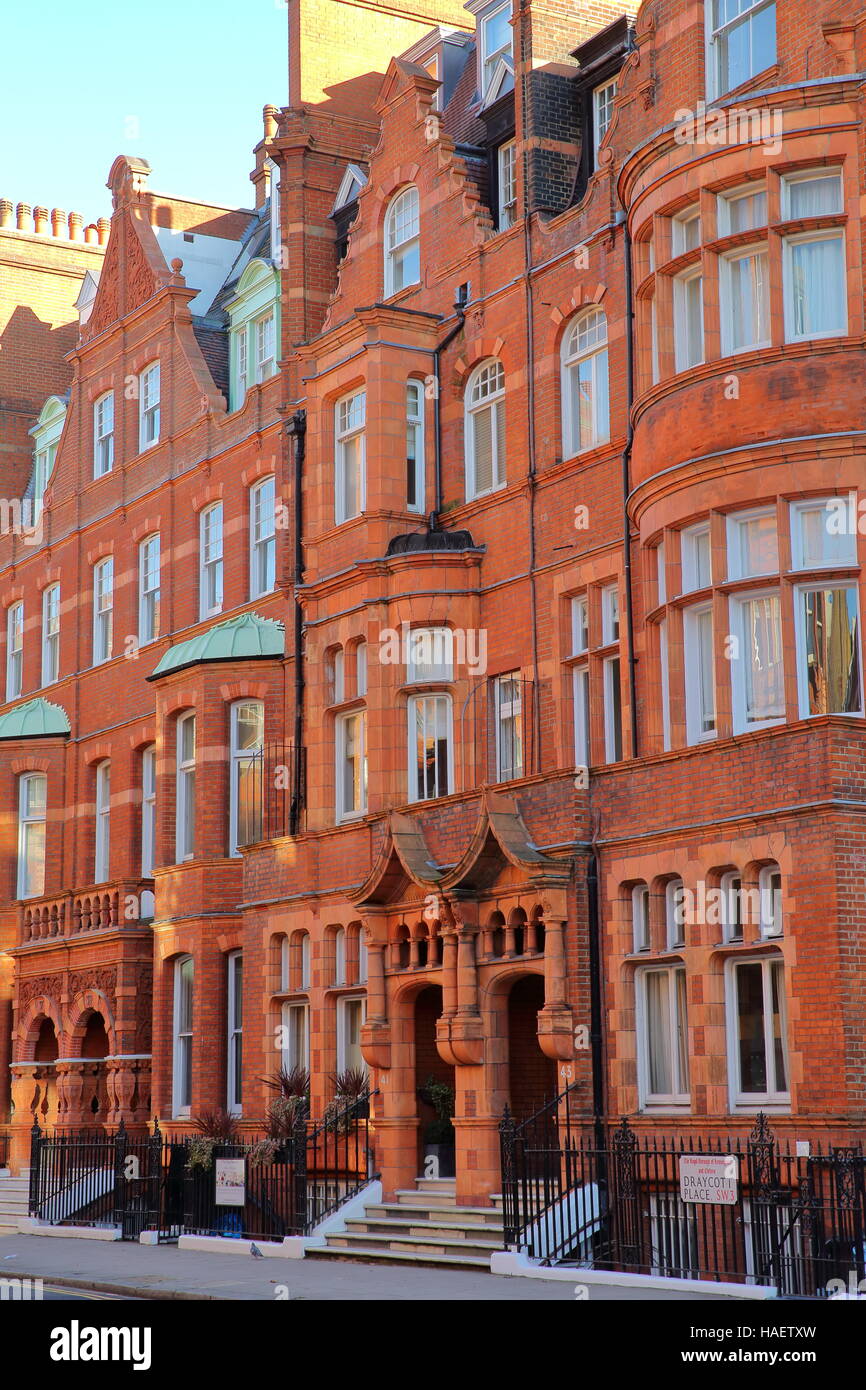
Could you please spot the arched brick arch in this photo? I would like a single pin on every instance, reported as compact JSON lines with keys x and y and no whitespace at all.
{"x":90,"y":1001}
{"x":37,"y":1010}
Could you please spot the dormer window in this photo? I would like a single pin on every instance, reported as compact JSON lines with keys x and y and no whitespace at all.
{"x":46,"y":437}
{"x":254,"y":319}
{"x":495,"y":43}
{"x":602,"y":112}
{"x":402,"y":242}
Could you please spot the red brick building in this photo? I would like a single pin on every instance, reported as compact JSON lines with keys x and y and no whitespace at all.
{"x":566,"y":785}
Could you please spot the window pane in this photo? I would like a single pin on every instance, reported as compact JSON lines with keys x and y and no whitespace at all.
{"x":756,"y":547}
{"x":658,"y":1033}
{"x":777,"y":985}
{"x":831,"y":642}
{"x":750,"y":301}
{"x":750,"y":1019}
{"x":764,"y":672}
{"x":706,"y":672}
{"x":816,"y":292}
{"x":816,"y":197}
{"x":682,"y":1027}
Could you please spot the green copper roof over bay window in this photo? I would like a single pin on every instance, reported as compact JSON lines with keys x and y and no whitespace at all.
{"x":34,"y":719}
{"x":247,"y":638}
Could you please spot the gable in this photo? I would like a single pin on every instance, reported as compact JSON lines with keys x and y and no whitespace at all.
{"x":128,"y":278}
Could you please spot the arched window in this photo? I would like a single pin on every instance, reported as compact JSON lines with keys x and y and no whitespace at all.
{"x":402,"y":242}
{"x":585,"y":398}
{"x":485,"y":429}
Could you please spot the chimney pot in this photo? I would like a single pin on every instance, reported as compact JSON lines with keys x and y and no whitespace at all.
{"x":269,"y":116}
{"x":75,"y":226}
{"x":58,"y":222}
{"x":22,"y":213}
{"x":40,"y":217}
{"x":6,"y":211}
{"x":104,"y":227}
{"x":91,"y":235}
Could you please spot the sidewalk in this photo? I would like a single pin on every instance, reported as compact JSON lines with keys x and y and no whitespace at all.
{"x":163,"y":1271}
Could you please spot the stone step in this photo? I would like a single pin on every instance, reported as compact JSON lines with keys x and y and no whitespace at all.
{"x":436,"y":1184}
{"x":420,"y":1245}
{"x":389,"y":1229}
{"x":369,"y":1255}
{"x":430,"y":1211}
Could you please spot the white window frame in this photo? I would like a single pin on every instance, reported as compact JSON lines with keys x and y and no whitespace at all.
{"x":184,"y":790}
{"x":678,"y":1097}
{"x":717,"y":85}
{"x":840,"y":330}
{"x":603,"y":97}
{"x":740,"y":668}
{"x":661,"y":574}
{"x":238,"y":758}
{"x":27,"y":820}
{"x":640,"y":918}
{"x":264,"y":332}
{"x":726,"y":201}
{"x":148,"y":810}
{"x":358,"y":718}
{"x":489,"y":59}
{"x":350,"y":425}
{"x":438,"y":643}
{"x":234,"y":1034}
{"x":696,"y":711}
{"x":292,"y":1056}
{"x":397,"y":251}
{"x":415,"y":445}
{"x":756,"y":1100}
{"x":831,"y":173}
{"x":242,"y":361}
{"x":103,"y":434}
{"x":506,"y":165}
{"x":581,"y":702}
{"x":442,"y":702}
{"x":51,"y":634}
{"x":693,"y":581}
{"x":730,"y":347}
{"x":347,"y":1002}
{"x":103,"y":610}
{"x":675,"y":906}
{"x":683,"y":347}
{"x":14,"y":650}
{"x":772,"y":915}
{"x":148,"y":590}
{"x":148,"y":406}
{"x":509,"y":707}
{"x":493,"y":400}
{"x":340,"y":956}
{"x":306,"y":960}
{"x":361,"y":669}
{"x":263,"y":537}
{"x":210,"y":552}
{"x":732,"y":897}
{"x":736,"y":521}
{"x":829,"y":506}
{"x":573,"y":359}
{"x":801,"y":644}
{"x":681,"y":241}
{"x":102,"y":823}
{"x":666,"y":684}
{"x":610,"y":620}
{"x":182,"y":1041}
{"x":579,"y":625}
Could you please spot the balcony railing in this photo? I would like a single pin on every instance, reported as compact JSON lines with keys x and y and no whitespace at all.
{"x":276,"y":794}
{"x":123,"y":903}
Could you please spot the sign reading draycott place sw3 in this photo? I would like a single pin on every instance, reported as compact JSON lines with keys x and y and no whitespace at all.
{"x":709,"y":1178}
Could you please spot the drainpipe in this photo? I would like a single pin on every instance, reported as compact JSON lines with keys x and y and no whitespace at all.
{"x":460,"y":311}
{"x":296,"y":428}
{"x":595,"y":1016}
{"x":622,"y":220}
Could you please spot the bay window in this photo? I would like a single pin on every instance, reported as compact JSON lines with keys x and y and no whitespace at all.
{"x":185,"y":789}
{"x":700,"y":674}
{"x":431,"y":747}
{"x":234,"y":1033}
{"x":32,"y":802}
{"x":246,"y":773}
{"x":757,"y":668}
{"x":182,"y":1037}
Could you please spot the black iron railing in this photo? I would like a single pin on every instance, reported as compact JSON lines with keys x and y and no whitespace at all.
{"x":180,"y":1186}
{"x":272,"y":794}
{"x":496,"y":733}
{"x":616,"y":1200}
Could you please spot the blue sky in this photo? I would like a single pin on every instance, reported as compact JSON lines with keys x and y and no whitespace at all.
{"x":180,"y":82}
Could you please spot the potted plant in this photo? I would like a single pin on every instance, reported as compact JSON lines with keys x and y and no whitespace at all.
{"x":349,"y":1086}
{"x":439,"y":1145}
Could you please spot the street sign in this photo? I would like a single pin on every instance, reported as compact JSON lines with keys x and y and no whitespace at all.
{"x":710,"y":1178}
